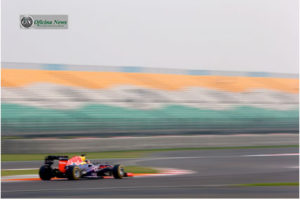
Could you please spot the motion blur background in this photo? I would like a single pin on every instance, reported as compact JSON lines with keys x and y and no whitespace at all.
{"x":103,"y":101}
{"x":144,"y":68}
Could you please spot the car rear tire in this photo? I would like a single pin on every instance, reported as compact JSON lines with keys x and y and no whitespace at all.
{"x":118,"y":172}
{"x":73,"y":173}
{"x":45,"y":172}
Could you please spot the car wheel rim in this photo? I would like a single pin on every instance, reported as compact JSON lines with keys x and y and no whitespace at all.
{"x":121,"y":171}
{"x":77,"y":173}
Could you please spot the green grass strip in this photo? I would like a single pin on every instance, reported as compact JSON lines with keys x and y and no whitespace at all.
{"x":141,"y":169}
{"x":268,"y":184}
{"x":18,"y":172}
{"x":124,"y":154}
{"x":131,"y":169}
{"x":93,"y":155}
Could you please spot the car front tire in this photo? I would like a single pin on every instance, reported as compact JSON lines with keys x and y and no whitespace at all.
{"x":118,"y":172}
{"x":73,"y":173}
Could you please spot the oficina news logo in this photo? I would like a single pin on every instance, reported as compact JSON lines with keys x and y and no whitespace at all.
{"x":26,"y":21}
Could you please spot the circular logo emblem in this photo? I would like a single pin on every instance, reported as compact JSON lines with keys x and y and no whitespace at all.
{"x":26,"y":21}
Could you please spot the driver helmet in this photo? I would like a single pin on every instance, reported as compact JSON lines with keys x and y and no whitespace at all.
{"x":83,"y":157}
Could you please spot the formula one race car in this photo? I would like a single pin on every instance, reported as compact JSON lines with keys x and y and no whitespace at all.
{"x":78,"y":167}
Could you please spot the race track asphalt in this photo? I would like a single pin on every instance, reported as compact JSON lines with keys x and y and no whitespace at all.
{"x":216,"y":173}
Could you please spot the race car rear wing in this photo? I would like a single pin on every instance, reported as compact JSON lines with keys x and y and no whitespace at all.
{"x":49,"y":159}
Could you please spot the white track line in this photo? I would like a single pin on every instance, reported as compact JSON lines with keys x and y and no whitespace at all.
{"x":200,"y":157}
{"x":168,"y":172}
{"x":20,"y":176}
{"x":276,"y":154}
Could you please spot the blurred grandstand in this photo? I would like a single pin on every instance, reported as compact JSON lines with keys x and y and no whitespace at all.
{"x":67,"y":100}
